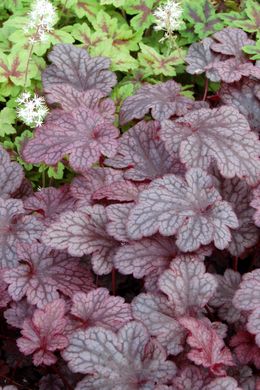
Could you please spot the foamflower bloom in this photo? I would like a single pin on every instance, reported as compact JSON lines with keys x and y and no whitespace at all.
{"x":31,"y":110}
{"x":42,"y":18}
{"x":168,"y":17}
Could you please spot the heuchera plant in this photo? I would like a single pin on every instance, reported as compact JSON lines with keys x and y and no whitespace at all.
{"x":169,"y":206}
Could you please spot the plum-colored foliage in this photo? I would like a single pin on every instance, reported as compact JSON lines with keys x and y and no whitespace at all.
{"x":140,"y":268}
{"x":44,"y":333}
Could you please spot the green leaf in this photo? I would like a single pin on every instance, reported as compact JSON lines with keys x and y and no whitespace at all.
{"x":87,"y":8}
{"x":202,"y":16}
{"x":7,"y":118}
{"x":115,"y":3}
{"x":120,"y":93}
{"x":252,"y":23}
{"x":56,"y":172}
{"x":142,"y":9}
{"x":89,"y":38}
{"x":253,"y":50}
{"x":156,"y":64}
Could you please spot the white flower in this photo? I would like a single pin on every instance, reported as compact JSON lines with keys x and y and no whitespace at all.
{"x":168,"y":17}
{"x":31,"y":110}
{"x":42,"y":18}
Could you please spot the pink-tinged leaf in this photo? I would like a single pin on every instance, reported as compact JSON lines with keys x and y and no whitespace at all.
{"x":117,"y":216}
{"x":84,"y":187}
{"x":233,"y":69}
{"x":123,"y":191}
{"x":256,"y":205}
{"x":11,"y":387}
{"x":230,"y":41}
{"x":70,"y":98}
{"x":245,"y":348}
{"x":98,"y":308}
{"x":24,"y":191}
{"x":44,"y":333}
{"x":159,"y":317}
{"x":223,"y":296}
{"x":238,"y":194}
{"x":201,"y":59}
{"x":51,"y":382}
{"x":43,"y":272}
{"x":14,"y":229}
{"x":247,"y":296}
{"x":253,"y":327}
{"x":118,"y":361}
{"x":4,"y":296}
{"x":191,"y":378}
{"x":243,"y":96}
{"x":50,"y":202}
{"x":221,"y":135}
{"x":143,"y":154}
{"x":208,"y":349}
{"x":11,"y":175}
{"x":140,"y":258}
{"x":18,"y":312}
{"x":73,"y":65}
{"x":226,"y":383}
{"x":84,"y":232}
{"x":187,"y":285}
{"x":192,"y":209}
{"x":82,"y":135}
{"x":163,"y":99}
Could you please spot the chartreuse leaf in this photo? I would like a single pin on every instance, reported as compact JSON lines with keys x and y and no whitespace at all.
{"x":7,"y":119}
{"x":252,"y":23}
{"x":253,"y":50}
{"x":115,"y":3}
{"x":142,"y":9}
{"x":154,"y":63}
{"x":202,"y":15}
{"x":83,"y":33}
{"x":86,"y":9}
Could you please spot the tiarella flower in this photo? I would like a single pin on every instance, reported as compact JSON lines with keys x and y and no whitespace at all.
{"x":31,"y":110}
{"x":42,"y":17}
{"x":168,"y":17}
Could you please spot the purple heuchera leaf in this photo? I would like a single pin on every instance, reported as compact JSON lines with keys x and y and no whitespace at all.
{"x":140,"y":258}
{"x":208,"y":349}
{"x":18,"y":312}
{"x":201,"y":59}
{"x":238,"y":194}
{"x":121,"y":361}
{"x":233,"y":69}
{"x":83,"y":135}
{"x":50,"y":202}
{"x":4,"y":296}
{"x":221,"y":135}
{"x":117,"y":215}
{"x":143,"y":154}
{"x":256,"y":205}
{"x":93,"y":180}
{"x":43,"y":273}
{"x":98,"y":308}
{"x":253,"y":327}
{"x":11,"y":175}
{"x":164,"y":100}
{"x":225,"y":383}
{"x":223,"y":296}
{"x":51,"y":382}
{"x":84,"y":232}
{"x":230,"y":41}
{"x":243,"y":96}
{"x":192,"y":209}
{"x":245,"y":348}
{"x":15,"y":228}
{"x":158,"y":315}
{"x":122,"y":191}
{"x":73,"y":65}
{"x":24,"y":191}
{"x":44,"y":333}
{"x":187,"y":285}
{"x":70,"y":98}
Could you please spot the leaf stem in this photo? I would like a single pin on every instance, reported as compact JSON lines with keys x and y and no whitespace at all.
{"x":205,"y":89}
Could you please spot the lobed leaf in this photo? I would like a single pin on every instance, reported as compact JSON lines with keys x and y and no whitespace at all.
{"x":143,"y":155}
{"x":192,"y":209}
{"x":221,"y":135}
{"x":72,"y":65}
{"x":230,"y":41}
{"x":11,"y":175}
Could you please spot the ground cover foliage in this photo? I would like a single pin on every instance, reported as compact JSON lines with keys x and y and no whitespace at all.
{"x":130,"y":213}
